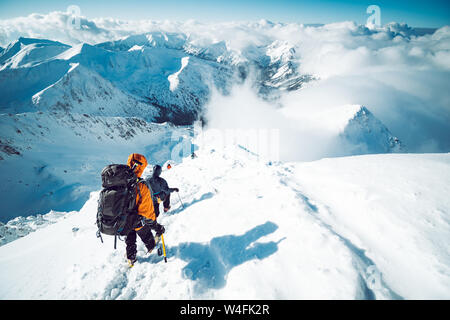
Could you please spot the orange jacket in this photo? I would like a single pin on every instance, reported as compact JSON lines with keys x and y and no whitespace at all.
{"x":145,"y":205}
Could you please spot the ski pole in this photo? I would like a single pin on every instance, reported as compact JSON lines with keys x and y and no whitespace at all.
{"x":180,"y":200}
{"x":164,"y":248}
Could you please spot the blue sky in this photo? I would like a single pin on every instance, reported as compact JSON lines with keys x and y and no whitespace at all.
{"x":430,"y":13}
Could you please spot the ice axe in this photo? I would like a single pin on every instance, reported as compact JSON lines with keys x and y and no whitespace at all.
{"x":163,"y":252}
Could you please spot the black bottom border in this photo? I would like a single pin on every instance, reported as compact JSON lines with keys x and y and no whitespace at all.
{"x":222,"y":309}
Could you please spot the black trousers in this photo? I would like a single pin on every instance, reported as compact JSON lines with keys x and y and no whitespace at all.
{"x":166,"y":204}
{"x":146,"y":235}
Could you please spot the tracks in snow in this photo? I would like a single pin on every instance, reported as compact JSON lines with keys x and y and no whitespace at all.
{"x":371,"y":284}
{"x":136,"y":283}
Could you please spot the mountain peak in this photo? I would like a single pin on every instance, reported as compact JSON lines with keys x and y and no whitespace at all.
{"x":367,"y":134}
{"x":25,"y":50}
{"x":28,"y":41}
{"x":155,"y":39}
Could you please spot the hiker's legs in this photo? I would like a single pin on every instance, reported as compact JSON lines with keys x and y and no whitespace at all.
{"x":146,"y":235}
{"x":156,"y":206}
{"x":166,"y":202}
{"x":130,"y":241}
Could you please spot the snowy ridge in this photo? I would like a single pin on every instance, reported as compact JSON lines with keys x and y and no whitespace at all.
{"x":28,"y":52}
{"x":342,"y":240}
{"x":152,"y":39}
{"x":275,"y":60}
{"x":83,"y":91}
{"x":31,"y":66}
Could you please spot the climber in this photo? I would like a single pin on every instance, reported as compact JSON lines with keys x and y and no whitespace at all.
{"x":161,"y":190}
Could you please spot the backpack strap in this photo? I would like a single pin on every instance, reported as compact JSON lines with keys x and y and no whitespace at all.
{"x":140,"y":180}
{"x":147,"y":183}
{"x":139,"y":192}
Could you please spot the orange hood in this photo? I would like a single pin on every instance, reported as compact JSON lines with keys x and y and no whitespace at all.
{"x":140,"y":168}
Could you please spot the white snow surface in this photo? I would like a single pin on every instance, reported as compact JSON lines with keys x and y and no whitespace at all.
{"x":362,"y":227}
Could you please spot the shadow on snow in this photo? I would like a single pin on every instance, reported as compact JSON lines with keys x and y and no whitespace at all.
{"x":209,"y":263}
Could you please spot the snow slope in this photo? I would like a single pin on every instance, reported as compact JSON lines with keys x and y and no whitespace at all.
{"x":394,"y":207}
{"x":81,"y":90}
{"x":364,"y":227}
{"x":28,"y":52}
{"x":52,"y":159}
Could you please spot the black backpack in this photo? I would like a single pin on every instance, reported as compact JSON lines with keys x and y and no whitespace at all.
{"x":117,"y":209}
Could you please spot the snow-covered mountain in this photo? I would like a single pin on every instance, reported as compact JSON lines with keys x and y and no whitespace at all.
{"x":365,"y":227}
{"x":275,"y":62}
{"x":367,"y":134}
{"x":29,"y":52}
{"x":136,"y":77}
{"x":360,"y":132}
{"x":81,"y":90}
{"x":54,"y":159}
{"x":50,"y":90}
{"x":161,"y":70}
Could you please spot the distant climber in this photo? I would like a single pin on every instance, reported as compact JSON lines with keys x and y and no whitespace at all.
{"x":161,"y":190}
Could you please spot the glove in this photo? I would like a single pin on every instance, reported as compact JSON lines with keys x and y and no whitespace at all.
{"x":159,"y":229}
{"x":174,"y":189}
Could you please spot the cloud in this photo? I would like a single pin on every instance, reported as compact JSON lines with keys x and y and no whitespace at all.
{"x":243,"y":118}
{"x":402,"y":78}
{"x":54,"y":26}
{"x":59,"y":26}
